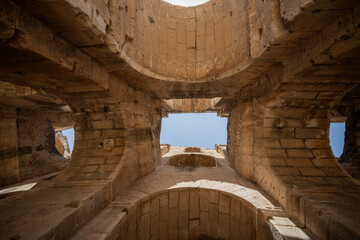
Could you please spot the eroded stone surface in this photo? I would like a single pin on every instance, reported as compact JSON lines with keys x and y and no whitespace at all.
{"x":350,"y":158}
{"x":36,"y":143}
{"x":280,"y":70}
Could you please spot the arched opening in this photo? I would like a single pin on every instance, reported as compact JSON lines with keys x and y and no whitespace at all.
{"x":337,"y":136}
{"x":64,"y":141}
{"x":202,"y":213}
{"x":34,"y":134}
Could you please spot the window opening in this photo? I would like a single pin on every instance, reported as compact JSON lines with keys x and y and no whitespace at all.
{"x":64,"y":142}
{"x":194,"y":130}
{"x":337,"y":135}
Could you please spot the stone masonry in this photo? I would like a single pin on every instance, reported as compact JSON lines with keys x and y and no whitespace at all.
{"x":281,"y":71}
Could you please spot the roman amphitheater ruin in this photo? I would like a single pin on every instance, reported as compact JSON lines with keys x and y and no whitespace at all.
{"x":280,"y":70}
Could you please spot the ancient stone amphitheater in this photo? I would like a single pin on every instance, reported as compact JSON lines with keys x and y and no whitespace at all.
{"x":280,"y":70}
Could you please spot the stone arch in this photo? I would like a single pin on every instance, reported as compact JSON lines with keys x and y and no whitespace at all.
{"x":297,"y":166}
{"x":100,"y":142}
{"x":201,"y":213}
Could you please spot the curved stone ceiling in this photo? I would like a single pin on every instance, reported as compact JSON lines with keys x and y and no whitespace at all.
{"x":186,"y":44}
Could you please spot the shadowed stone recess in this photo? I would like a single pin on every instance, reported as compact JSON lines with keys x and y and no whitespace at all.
{"x":350,"y":158}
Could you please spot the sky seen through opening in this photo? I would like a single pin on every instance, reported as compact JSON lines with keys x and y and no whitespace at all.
{"x":206,"y":130}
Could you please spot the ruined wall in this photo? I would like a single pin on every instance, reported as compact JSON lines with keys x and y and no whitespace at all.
{"x":74,"y":48}
{"x":27,"y":145}
{"x":36,"y":144}
{"x":240,"y":135}
{"x":116,"y":141}
{"x":9,"y":160}
{"x":350,"y":158}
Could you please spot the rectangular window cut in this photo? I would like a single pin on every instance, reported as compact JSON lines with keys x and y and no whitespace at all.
{"x":194,"y":130}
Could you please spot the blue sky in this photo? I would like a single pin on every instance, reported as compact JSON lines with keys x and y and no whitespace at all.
{"x":337,"y":134}
{"x":69,"y":133}
{"x":194,"y":129}
{"x":206,"y":130}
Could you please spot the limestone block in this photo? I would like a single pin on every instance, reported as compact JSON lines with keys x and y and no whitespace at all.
{"x":292,"y":143}
{"x":154,"y":228}
{"x":184,"y":200}
{"x":224,"y":203}
{"x":310,"y":133}
{"x":213,"y":229}
{"x":311,"y":172}
{"x":299,"y":162}
{"x":163,"y":230}
{"x":154,"y":206}
{"x":214,"y":212}
{"x":214,"y":197}
{"x":145,"y":207}
{"x":224,"y":227}
{"x":145,"y":226}
{"x":173,"y":221}
{"x":204,"y":200}
{"x":324,"y":162}
{"x":299,"y":153}
{"x":194,"y":204}
{"x":194,"y":229}
{"x":204,"y":222}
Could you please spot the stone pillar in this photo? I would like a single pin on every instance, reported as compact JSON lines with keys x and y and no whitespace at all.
{"x":279,"y":139}
{"x":350,"y":158}
{"x":9,"y":161}
{"x":116,"y":138}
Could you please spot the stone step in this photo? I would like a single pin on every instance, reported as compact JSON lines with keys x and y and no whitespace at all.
{"x":105,"y":226}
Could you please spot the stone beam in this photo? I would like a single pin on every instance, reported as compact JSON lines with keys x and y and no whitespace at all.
{"x":33,"y":55}
{"x":83,"y":23}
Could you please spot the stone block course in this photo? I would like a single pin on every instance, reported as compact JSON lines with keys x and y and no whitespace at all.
{"x":279,"y":70}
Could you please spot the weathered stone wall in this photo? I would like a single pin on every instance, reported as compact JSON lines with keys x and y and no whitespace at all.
{"x":117,"y":136}
{"x":350,"y":158}
{"x":9,"y":160}
{"x":192,"y":160}
{"x":240,"y":134}
{"x":288,"y":61}
{"x":27,"y":145}
{"x":116,"y":141}
{"x":36,"y":144}
{"x":278,"y":138}
{"x":183,"y":43}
